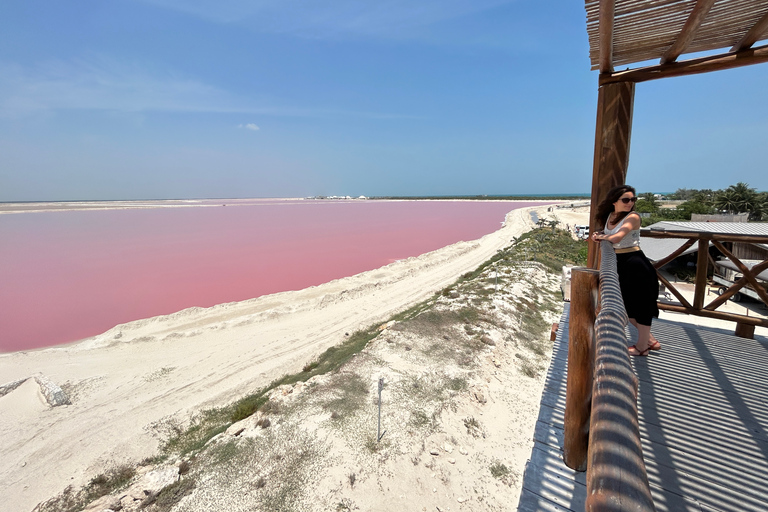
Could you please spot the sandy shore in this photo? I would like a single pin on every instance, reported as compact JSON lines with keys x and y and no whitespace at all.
{"x":125,"y":383}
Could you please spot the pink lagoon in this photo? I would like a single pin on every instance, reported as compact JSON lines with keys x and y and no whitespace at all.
{"x":73,"y":273}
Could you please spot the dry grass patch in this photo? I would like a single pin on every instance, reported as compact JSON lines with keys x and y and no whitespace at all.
{"x":273,"y":471}
{"x":168,"y":496}
{"x":100,"y":485}
{"x":344,"y":395}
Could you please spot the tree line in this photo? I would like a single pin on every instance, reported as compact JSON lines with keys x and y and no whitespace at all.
{"x":738,"y":198}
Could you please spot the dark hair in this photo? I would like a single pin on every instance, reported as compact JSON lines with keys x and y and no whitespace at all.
{"x":605,"y":208}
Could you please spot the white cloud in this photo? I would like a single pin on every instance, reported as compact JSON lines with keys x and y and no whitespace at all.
{"x":331,"y":18}
{"x":249,"y":126}
{"x":100,"y":83}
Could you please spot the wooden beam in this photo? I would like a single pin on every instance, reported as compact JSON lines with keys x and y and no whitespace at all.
{"x":581,"y":355}
{"x":658,"y":264}
{"x":722,"y":237}
{"x":753,"y":36}
{"x":736,"y":287}
{"x":748,"y":274}
{"x":615,"y":103}
{"x":686,"y":35}
{"x":617,"y":479}
{"x":727,"y":294}
{"x":720,"y":315}
{"x":712,"y":260}
{"x":616,"y":475}
{"x":675,"y":291}
{"x":605,"y":30}
{"x":739,"y":59}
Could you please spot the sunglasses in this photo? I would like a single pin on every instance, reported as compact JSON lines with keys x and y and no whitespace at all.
{"x":627,"y":200}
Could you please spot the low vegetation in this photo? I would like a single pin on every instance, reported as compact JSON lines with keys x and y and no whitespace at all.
{"x":347,"y":392}
{"x":100,"y":485}
{"x":552,"y":247}
{"x":735,"y":199}
{"x":168,"y":496}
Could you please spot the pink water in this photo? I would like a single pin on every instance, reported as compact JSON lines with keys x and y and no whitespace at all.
{"x":70,"y":275}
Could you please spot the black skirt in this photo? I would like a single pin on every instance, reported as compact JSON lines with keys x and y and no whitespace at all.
{"x":639,"y":286}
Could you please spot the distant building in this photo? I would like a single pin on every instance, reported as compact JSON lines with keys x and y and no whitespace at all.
{"x":737,"y":217}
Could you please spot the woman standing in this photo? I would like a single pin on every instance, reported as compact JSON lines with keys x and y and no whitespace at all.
{"x":637,"y":277}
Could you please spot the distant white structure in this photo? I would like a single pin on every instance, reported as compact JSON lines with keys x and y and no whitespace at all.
{"x":341,"y":198}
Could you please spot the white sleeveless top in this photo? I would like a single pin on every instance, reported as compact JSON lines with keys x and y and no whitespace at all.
{"x":632,"y":239}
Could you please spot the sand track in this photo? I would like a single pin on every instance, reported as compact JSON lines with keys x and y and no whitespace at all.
{"x":125,"y":382}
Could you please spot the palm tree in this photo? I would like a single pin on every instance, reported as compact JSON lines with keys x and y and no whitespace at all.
{"x":761,"y":206}
{"x":705,"y":195}
{"x":726,"y":200}
{"x":740,"y":198}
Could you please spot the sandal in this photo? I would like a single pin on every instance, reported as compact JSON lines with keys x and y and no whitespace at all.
{"x":655,"y":345}
{"x":638,"y":352}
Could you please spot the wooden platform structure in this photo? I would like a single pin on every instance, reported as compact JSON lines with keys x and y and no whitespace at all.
{"x":625,"y":32}
{"x":703,"y":416}
{"x":628,"y":426}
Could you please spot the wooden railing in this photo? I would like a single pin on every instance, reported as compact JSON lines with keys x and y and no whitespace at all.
{"x":745,"y":325}
{"x":601,"y":426}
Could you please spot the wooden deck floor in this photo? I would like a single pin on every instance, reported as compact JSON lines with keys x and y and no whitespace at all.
{"x":703,"y":408}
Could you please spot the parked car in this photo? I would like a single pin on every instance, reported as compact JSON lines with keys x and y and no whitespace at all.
{"x":582,"y":232}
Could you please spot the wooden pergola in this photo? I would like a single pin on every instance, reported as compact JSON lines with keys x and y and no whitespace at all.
{"x":624,"y":32}
{"x":601,"y":429}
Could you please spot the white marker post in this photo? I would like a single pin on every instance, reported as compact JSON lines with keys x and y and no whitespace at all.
{"x":379,"y":433}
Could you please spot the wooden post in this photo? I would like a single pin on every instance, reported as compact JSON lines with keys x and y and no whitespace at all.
{"x":744,"y":330}
{"x":578,"y":398}
{"x":702,"y":265}
{"x":612,"y":137}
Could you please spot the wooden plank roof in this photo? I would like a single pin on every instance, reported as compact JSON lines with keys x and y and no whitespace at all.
{"x":624,"y":32}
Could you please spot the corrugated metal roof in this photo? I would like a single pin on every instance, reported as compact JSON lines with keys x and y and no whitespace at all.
{"x":659,"y":248}
{"x":722,"y":228}
{"x":645,"y":29}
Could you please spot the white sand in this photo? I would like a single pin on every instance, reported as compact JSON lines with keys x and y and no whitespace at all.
{"x":127,"y":381}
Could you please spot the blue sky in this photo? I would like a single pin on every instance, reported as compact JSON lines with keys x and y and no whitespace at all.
{"x":137,"y":99}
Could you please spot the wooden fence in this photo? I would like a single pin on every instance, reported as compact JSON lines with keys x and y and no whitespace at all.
{"x":601,"y":426}
{"x":745,"y":325}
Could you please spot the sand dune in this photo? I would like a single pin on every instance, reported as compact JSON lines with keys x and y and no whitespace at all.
{"x":125,"y":383}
